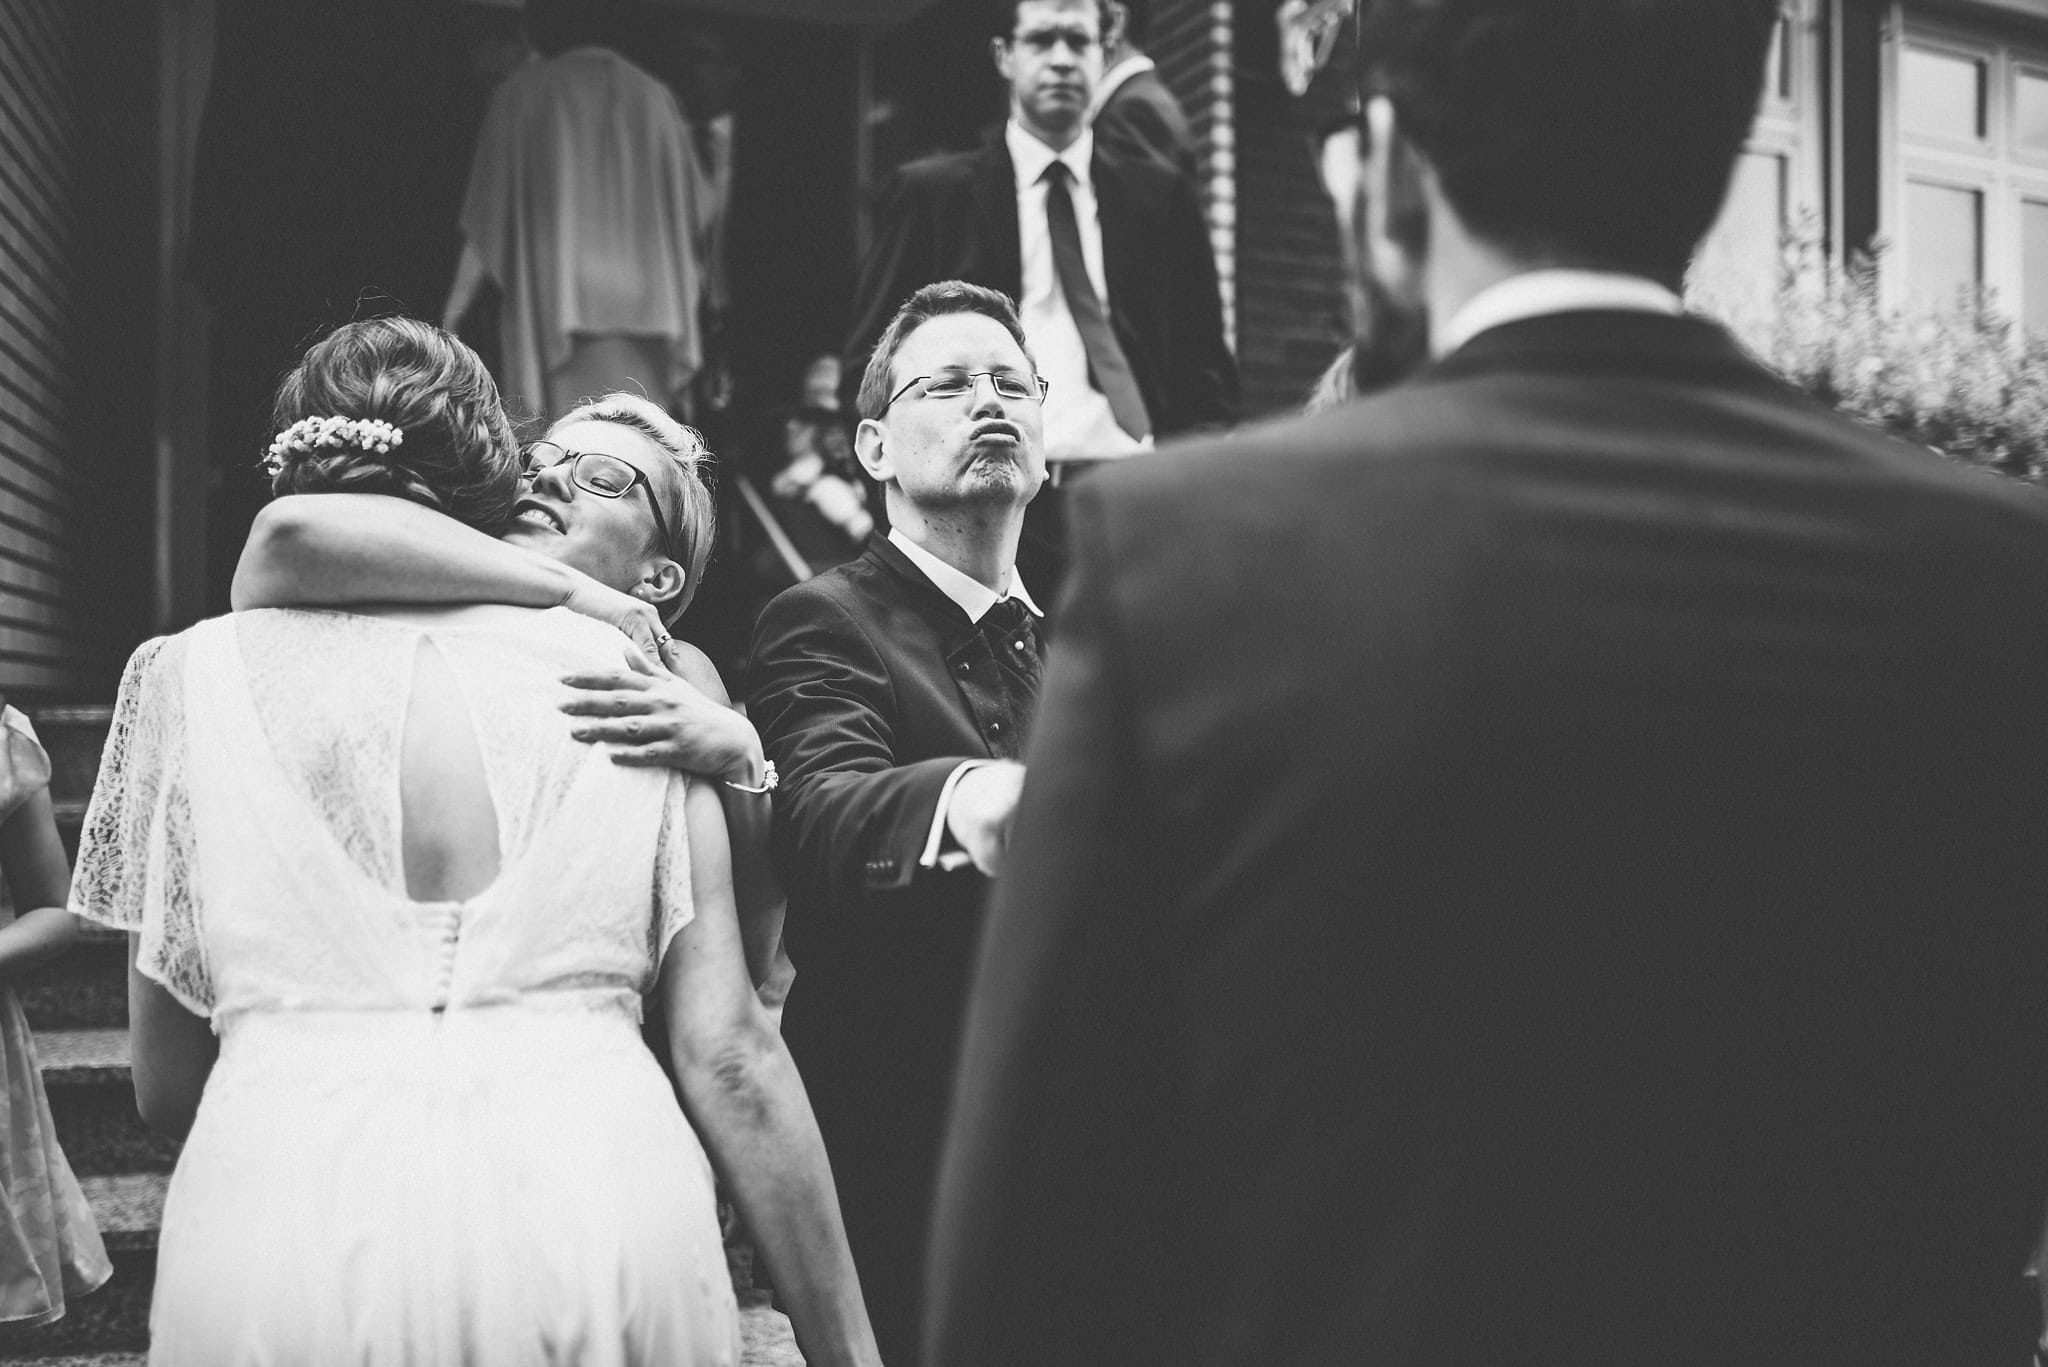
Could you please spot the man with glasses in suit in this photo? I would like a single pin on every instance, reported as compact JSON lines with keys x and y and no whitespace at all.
{"x":893,"y":693}
{"x":1106,"y":254}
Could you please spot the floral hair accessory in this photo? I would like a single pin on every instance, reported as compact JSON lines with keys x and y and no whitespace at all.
{"x":308,"y":434}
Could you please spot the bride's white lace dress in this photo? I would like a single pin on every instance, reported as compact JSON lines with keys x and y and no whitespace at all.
{"x":434,"y":1134}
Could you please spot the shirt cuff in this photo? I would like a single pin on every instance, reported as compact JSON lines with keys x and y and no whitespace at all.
{"x":951,"y":859}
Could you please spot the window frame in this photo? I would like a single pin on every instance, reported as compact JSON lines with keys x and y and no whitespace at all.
{"x":1995,"y":166}
{"x":1790,"y":126}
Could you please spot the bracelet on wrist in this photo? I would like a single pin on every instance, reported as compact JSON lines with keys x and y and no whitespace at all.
{"x":770,"y":780}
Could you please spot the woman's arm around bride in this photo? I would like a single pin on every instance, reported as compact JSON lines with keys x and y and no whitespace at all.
{"x":742,"y":1093}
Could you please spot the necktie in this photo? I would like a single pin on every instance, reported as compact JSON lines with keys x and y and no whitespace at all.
{"x":1107,"y":366}
{"x":1014,"y":638}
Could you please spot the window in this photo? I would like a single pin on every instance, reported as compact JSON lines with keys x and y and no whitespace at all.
{"x":1941,"y":94}
{"x":1966,"y":202}
{"x":1777,"y":178}
{"x":1945,"y":224}
{"x":2030,"y":112}
{"x":2034,"y":264}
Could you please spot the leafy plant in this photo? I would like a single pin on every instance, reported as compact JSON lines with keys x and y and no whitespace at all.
{"x":1966,"y":379}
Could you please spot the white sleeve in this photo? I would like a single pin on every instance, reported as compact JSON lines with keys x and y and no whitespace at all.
{"x":675,"y":906}
{"x":951,"y":859}
{"x":137,"y":865}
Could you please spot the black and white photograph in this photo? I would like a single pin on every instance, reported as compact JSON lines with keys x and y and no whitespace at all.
{"x":1023,"y":683}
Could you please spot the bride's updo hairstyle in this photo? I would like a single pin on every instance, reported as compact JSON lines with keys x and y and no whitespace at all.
{"x":455,"y":452}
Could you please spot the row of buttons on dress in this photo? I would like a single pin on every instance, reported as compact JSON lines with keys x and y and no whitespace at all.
{"x":450,"y":917}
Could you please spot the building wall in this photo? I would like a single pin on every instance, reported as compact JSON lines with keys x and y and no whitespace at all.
{"x":1963,"y":168}
{"x":1274,"y":230}
{"x":76,"y":326}
{"x":1912,"y":128}
{"x":1291,"y":305}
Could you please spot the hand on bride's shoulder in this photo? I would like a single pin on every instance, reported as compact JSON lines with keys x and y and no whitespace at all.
{"x":638,"y":619}
{"x":677,"y":720}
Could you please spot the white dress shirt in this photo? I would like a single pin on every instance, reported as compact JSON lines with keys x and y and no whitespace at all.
{"x":975,"y":599}
{"x":1535,"y":293}
{"x":1078,"y":419}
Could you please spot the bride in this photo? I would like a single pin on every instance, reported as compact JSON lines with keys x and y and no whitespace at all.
{"x":390,"y":930}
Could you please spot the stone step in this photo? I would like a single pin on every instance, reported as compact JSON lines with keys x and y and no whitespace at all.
{"x":83,"y":1058}
{"x":108,"y":1326}
{"x":84,"y":987}
{"x":70,"y":814}
{"x":75,"y":735}
{"x":128,"y":1207}
{"x":92,"y":1100}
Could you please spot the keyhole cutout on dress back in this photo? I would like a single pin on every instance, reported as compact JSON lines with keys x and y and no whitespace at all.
{"x":449,"y":825}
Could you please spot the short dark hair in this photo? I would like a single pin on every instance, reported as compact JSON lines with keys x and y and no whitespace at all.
{"x":933,"y":301}
{"x":458,"y":453}
{"x":1002,"y":17}
{"x":1137,"y":22}
{"x":1602,"y":132}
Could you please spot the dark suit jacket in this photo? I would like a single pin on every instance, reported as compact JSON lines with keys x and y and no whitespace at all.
{"x":1550,"y":871}
{"x":870,"y":686}
{"x":1142,"y":118}
{"x":954,"y":217}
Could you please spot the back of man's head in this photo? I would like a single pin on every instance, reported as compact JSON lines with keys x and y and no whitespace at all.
{"x":1598,"y":133}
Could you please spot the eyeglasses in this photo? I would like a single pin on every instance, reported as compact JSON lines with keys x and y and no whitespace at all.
{"x":594,"y":472}
{"x":954,"y":384}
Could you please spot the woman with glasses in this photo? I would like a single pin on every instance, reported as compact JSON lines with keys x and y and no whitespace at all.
{"x":392,"y":927}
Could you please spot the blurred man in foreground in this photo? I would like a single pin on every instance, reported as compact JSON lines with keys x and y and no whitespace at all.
{"x":1549,"y":870}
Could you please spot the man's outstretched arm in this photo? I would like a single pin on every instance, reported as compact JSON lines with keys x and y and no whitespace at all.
{"x":1048,"y":1236}
{"x":852,"y":817}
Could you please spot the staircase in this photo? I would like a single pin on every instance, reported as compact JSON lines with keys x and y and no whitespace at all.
{"x":77,"y":1008}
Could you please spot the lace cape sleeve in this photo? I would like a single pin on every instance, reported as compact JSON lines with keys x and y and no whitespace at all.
{"x":136,"y":863}
{"x":674,"y":904}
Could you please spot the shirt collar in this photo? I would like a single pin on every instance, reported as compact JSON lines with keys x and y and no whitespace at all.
{"x":1137,"y":64}
{"x":971,"y":595}
{"x":1534,"y":293}
{"x":1031,"y":157}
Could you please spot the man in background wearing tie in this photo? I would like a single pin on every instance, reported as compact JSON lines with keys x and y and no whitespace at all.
{"x":1107,"y":256}
{"x":893,"y":692}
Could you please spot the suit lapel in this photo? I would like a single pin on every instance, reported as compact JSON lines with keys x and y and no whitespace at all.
{"x":1116,"y":213}
{"x":995,"y":210}
{"x":945,"y":615}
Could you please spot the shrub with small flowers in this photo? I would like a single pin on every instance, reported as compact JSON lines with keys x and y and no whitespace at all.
{"x":1966,"y":380}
